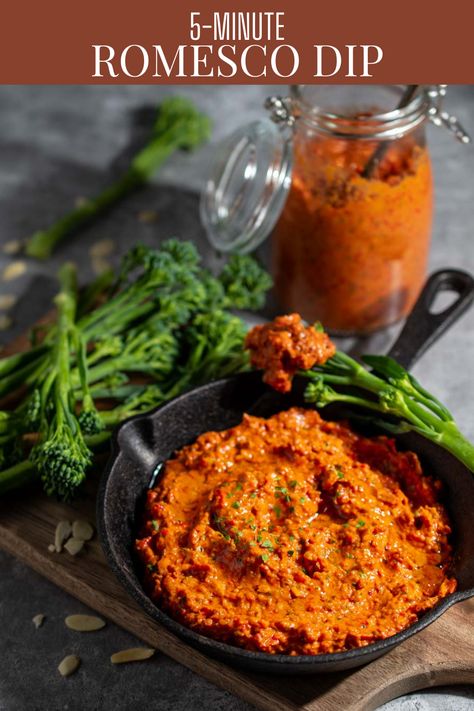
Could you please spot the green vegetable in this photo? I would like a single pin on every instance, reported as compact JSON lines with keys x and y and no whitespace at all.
{"x":61,"y":455}
{"x":157,"y":328}
{"x":393,"y":392}
{"x":179,"y":125}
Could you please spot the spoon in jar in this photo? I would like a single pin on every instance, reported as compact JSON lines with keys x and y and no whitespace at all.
{"x":381,"y":149}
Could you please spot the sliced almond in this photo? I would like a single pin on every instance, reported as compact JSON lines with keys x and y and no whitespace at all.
{"x":61,"y":534}
{"x":134,"y":654}
{"x":7,"y":301}
{"x":84,"y":623}
{"x":12,"y":247}
{"x":147,"y":217}
{"x":74,"y":546}
{"x":38,"y":620}
{"x":5,"y":322}
{"x":100,"y":265}
{"x":69,"y":665}
{"x":102,"y":248}
{"x":81,"y":201}
{"x":82,"y":530}
{"x":13,"y":271}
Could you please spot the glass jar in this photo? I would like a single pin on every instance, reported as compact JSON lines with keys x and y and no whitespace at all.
{"x":345,"y":189}
{"x":351,"y":245}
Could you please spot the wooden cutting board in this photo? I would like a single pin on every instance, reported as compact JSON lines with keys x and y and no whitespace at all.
{"x":441,"y":654}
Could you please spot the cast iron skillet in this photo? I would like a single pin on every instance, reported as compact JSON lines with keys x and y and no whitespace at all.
{"x":141,"y":443}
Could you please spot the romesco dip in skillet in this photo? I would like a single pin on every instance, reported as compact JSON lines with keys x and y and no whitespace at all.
{"x":291,"y":534}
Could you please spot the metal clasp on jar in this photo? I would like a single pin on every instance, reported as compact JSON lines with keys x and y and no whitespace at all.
{"x":440,"y":117}
{"x":281,"y":110}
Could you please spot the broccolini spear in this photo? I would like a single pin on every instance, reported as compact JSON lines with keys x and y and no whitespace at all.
{"x":179,"y":125}
{"x":61,"y":455}
{"x":390,"y":390}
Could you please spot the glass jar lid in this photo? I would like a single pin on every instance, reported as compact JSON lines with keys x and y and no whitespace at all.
{"x":247,"y":186}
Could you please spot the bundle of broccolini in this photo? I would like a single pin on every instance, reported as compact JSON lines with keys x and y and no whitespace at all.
{"x":162,"y":325}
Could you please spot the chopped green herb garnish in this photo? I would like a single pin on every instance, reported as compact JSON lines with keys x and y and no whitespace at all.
{"x":264,"y":557}
{"x":267,"y":544}
{"x":292,"y":484}
{"x":156,"y":525}
{"x":236,"y":505}
{"x":360,"y":523}
{"x":277,"y":511}
{"x":291,"y":553}
{"x":303,"y":500}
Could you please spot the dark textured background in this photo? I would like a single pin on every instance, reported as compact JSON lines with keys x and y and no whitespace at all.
{"x":61,"y":143}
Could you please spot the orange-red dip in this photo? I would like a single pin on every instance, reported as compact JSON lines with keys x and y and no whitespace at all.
{"x":348,"y":250}
{"x":294,"y":535}
{"x":284,"y":346}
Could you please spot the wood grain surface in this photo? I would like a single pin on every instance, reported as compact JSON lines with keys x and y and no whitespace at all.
{"x":441,"y":654}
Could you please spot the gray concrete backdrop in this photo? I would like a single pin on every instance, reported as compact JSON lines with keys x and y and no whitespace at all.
{"x":61,"y":143}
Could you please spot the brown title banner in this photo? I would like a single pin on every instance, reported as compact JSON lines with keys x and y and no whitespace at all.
{"x":200,"y":42}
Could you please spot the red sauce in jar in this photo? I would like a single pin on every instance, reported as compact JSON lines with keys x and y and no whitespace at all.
{"x":348,"y":250}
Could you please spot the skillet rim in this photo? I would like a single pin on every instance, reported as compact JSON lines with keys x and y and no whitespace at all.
{"x":201,"y":642}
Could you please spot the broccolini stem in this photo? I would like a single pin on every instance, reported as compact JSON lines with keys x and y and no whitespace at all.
{"x":413,"y":406}
{"x":179,"y":125}
{"x":42,"y":243}
{"x":17,"y":475}
{"x":12,"y":363}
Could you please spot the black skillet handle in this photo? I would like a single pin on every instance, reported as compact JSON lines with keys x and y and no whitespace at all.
{"x":422,"y":327}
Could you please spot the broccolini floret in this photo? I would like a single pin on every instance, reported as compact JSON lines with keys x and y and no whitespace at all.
{"x":61,"y":455}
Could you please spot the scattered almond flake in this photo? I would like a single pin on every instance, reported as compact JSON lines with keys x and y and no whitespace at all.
{"x":14,"y":270}
{"x":7,"y":301}
{"x":135,"y":654}
{"x":69,"y":665}
{"x":82,"y":530}
{"x":61,"y":534}
{"x":52,"y":548}
{"x":38,"y":620}
{"x":12,"y":247}
{"x":147,"y":216}
{"x":80,"y":201}
{"x":74,"y":546}
{"x":102,"y":248}
{"x":100,"y":265}
{"x":5,"y":322}
{"x":84,"y":623}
